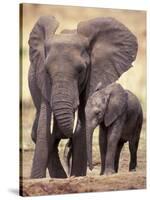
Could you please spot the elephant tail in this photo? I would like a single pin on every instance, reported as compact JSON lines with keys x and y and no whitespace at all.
{"x":68,"y":156}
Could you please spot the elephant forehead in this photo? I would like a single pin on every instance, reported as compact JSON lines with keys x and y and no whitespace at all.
{"x":68,"y":40}
{"x":97,"y":99}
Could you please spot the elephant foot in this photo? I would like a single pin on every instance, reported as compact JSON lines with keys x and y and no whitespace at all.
{"x":109,"y":172}
{"x":132,"y":170}
{"x":102,"y":173}
{"x":55,"y":167}
{"x":58,"y":175}
{"x":56,"y":170}
{"x":38,"y":174}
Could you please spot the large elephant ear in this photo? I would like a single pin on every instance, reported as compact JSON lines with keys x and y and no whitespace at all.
{"x":112,"y":49}
{"x":42,"y":31}
{"x":116,"y":105}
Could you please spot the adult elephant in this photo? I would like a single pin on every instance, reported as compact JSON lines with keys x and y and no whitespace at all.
{"x":64,"y":72}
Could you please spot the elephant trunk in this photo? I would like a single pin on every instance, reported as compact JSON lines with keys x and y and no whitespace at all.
{"x":64,"y":101}
{"x":64,"y":116}
{"x":89,"y":139}
{"x":62,"y":107}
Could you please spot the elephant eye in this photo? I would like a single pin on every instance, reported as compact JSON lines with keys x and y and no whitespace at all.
{"x":47,"y":72}
{"x":99,"y":114}
{"x":80,"y":69}
{"x":103,"y":100}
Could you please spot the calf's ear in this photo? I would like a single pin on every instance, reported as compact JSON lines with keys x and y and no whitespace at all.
{"x":117,"y":104}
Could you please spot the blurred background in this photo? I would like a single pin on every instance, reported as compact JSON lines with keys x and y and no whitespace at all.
{"x":69,"y":17}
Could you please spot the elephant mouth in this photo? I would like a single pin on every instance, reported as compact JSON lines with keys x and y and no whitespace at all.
{"x":75,"y":119}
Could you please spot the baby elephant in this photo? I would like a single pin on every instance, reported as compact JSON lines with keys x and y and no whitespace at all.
{"x":120,"y":116}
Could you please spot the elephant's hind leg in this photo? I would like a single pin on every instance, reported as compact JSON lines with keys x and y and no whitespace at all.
{"x":117,"y":156}
{"x":133,"y":155}
{"x":133,"y":144}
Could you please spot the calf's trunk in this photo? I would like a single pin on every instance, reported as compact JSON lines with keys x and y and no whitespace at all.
{"x":89,"y":139}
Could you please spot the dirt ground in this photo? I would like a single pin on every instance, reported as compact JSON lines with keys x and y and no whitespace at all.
{"x":123,"y":181}
{"x":93,"y":182}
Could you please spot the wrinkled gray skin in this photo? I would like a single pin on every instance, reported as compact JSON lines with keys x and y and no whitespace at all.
{"x":64,"y":71}
{"x":119,"y":114}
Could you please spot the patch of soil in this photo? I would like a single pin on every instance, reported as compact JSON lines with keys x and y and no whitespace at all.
{"x":48,"y":186}
{"x":93,"y":182}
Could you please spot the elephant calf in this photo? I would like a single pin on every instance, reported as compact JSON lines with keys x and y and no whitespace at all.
{"x":120,"y":116}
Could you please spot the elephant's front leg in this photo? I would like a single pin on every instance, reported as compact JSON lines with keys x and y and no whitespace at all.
{"x":113,"y":137}
{"x":41,"y":148}
{"x":55,"y":167}
{"x":34,"y":128}
{"x":79,"y":157}
{"x":103,"y":146}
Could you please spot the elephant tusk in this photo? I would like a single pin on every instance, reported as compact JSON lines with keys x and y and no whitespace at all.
{"x":75,"y":121}
{"x":52,"y":123}
{"x":68,"y":158}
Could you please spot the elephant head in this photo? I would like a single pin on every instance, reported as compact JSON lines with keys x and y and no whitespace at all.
{"x":104,"y":106}
{"x":73,"y":62}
